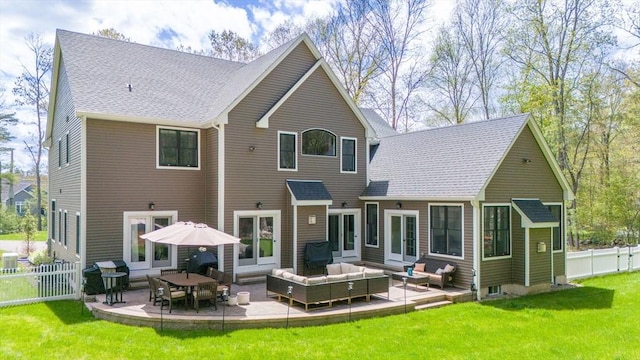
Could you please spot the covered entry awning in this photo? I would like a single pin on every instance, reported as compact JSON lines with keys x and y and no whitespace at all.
{"x":308,"y":193}
{"x":535,"y":214}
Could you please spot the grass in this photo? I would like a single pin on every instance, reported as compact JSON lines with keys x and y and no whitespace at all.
{"x":39,"y":236}
{"x":597,"y":321}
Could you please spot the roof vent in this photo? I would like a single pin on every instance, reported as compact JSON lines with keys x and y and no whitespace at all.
{"x":129,"y":87}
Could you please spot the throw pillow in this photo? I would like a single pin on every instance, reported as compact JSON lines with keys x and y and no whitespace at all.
{"x":449,"y":268}
{"x":419,"y":267}
{"x":334,"y":269}
{"x":439,"y":272}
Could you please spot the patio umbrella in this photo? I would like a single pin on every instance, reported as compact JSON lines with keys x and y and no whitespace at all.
{"x":190,"y":234}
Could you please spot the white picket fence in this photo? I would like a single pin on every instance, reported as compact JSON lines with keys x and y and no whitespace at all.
{"x":589,"y":263}
{"x":22,"y":285}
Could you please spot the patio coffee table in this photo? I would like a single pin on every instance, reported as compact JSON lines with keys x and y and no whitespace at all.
{"x":416,"y":278}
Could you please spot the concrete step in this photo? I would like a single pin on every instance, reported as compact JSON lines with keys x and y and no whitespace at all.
{"x":433,"y":305}
{"x":250,"y":279}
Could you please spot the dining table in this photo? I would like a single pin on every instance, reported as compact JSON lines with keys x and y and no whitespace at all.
{"x":185,"y":280}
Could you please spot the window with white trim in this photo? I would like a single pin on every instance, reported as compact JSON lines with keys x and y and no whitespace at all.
{"x":348,"y":155}
{"x":557,"y":241}
{"x":446,"y":230}
{"x":78,"y":233}
{"x":178,"y":148}
{"x":53,"y":220}
{"x":496,"y":240}
{"x":371,"y":210}
{"x":287,"y":152}
{"x":318,"y":142}
{"x":67,"y":149}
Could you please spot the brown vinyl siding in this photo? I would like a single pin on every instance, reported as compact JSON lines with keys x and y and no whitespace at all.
{"x":540,"y":262}
{"x":64,"y":181}
{"x":309,"y":233}
{"x":252,"y":175}
{"x":517,"y":179}
{"x":559,"y":265}
{"x":115,"y":186}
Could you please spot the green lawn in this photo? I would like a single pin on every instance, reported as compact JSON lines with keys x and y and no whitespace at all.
{"x":40,"y":236}
{"x":598,"y":321}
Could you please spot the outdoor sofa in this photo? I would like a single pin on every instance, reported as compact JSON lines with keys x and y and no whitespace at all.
{"x":328,"y":288}
{"x":440,"y":271}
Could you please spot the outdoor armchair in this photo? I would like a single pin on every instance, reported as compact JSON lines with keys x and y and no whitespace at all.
{"x":205,"y":291}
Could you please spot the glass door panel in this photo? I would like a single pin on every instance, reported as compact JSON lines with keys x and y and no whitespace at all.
{"x":348,"y":235}
{"x":334,"y":235}
{"x":266,"y":240}
{"x":161,"y":252}
{"x":246,"y":253}
{"x":396,"y":238}
{"x":410,"y":239}
{"x":137,"y":227}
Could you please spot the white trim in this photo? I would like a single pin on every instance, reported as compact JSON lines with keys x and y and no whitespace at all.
{"x":445,"y":256}
{"x":126,"y":247}
{"x":277,"y":237}
{"x":355,"y":155}
{"x":527,"y":261}
{"x":177,"y":167}
{"x":67,"y":147}
{"x":563,"y":240}
{"x":295,"y":239}
{"x":221,"y":187}
{"x":295,"y":150}
{"x":65,"y":239}
{"x":60,"y":153}
{"x":484,"y":258}
{"x":357,"y":250}
{"x":83,"y":191}
{"x":477,"y":235}
{"x":141,"y":120}
{"x":418,"y":198}
{"x":78,"y":215}
{"x":335,"y":150}
{"x":366,"y":230}
{"x":388,"y":213}
{"x":263,"y":123}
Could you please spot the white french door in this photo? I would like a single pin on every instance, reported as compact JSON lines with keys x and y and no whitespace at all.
{"x":140,"y":254}
{"x":401,"y":238}
{"x":343,"y":232}
{"x":259,"y":233}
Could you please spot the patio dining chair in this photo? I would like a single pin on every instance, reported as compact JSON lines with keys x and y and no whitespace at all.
{"x":172,"y":296}
{"x":168,"y":271}
{"x":205,"y":291}
{"x":153,"y":289}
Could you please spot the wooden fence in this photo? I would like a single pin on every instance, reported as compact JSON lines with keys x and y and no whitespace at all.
{"x":22,"y":285}
{"x":589,"y":263}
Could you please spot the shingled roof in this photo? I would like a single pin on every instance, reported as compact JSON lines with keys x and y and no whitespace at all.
{"x":453,"y":162}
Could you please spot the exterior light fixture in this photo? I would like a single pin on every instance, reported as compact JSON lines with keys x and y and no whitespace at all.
{"x":152,"y":206}
{"x":526,"y":160}
{"x":398,"y":205}
{"x":252,"y":147}
{"x":259,"y":205}
{"x":344,"y":204}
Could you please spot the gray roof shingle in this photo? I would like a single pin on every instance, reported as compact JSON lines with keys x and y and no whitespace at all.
{"x":308,"y":190}
{"x":536,"y":211}
{"x":167,"y":85}
{"x":448,"y":162}
{"x":379,"y":125}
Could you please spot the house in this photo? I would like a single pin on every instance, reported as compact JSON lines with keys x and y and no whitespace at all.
{"x":275,"y":152}
{"x":22,"y":197}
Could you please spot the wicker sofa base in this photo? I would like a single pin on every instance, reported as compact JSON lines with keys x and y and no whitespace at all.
{"x":328,"y":292}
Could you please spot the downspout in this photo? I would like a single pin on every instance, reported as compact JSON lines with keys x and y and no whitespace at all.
{"x":553,"y":281}
{"x":221,"y":178}
{"x":295,"y":239}
{"x":526,"y":257}
{"x":475,"y":279}
{"x":83,"y":192}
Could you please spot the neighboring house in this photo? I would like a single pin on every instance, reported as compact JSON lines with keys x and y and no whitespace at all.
{"x":22,"y":197}
{"x":275,"y":152}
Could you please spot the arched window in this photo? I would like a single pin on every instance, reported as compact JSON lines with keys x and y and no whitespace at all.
{"x":318,"y":142}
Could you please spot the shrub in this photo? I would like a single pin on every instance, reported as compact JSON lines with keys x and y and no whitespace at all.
{"x":9,"y":221}
{"x":40,"y":257}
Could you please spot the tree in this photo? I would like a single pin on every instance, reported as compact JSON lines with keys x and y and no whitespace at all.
{"x":31,"y":89}
{"x":231,"y":46}
{"x":398,"y":23}
{"x":556,"y":45}
{"x":6,"y":119}
{"x":450,"y":82}
{"x":480,"y":25}
{"x":112,"y":33}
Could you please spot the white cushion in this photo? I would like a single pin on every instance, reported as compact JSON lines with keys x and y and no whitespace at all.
{"x":279,"y":272}
{"x":449,"y":268}
{"x":299,"y":278}
{"x":439,"y":271}
{"x":369,"y":273}
{"x":347,"y":268}
{"x":355,"y":275}
{"x":333,"y":269}
{"x":340,"y":277}
{"x":288,"y":275}
{"x":316,"y":280}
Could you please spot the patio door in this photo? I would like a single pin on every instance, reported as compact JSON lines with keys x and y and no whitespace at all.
{"x":343,"y":232}
{"x":142,"y":254}
{"x":402,"y":236}
{"x":258,"y":245}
